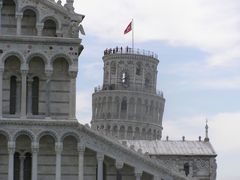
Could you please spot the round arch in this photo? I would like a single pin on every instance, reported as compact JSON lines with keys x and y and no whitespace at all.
{"x":50,"y":133}
{"x":37,"y":54}
{"x":53,"y":18}
{"x":64,"y":56}
{"x":24,"y":132}
{"x":27,"y":7}
{"x":12,"y":53}
{"x":5,"y":133}
{"x":73,"y":134}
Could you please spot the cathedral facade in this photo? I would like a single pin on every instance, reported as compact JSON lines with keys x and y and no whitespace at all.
{"x":40,"y":137}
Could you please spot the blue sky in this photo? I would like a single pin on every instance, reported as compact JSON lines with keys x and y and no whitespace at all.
{"x":198,"y":43}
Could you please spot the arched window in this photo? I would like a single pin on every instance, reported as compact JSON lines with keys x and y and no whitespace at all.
{"x":29,"y":22}
{"x":49,"y":28}
{"x":124,"y":105}
{"x":27,"y":166}
{"x":148,"y":80}
{"x":35,"y":95}
{"x":113,"y":67}
{"x":125,"y":79}
{"x":139,"y":69}
{"x":13,"y":93}
{"x":16,"y":166}
{"x":8,"y":17}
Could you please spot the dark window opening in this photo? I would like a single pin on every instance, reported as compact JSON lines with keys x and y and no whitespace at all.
{"x":119,"y":175}
{"x":147,"y":82}
{"x":124,"y":105}
{"x":27,"y":166}
{"x":139,"y":69}
{"x":104,"y":171}
{"x":16,"y":166}
{"x":49,"y":28}
{"x":186,"y":168}
{"x":35,"y":95}
{"x":13,"y":94}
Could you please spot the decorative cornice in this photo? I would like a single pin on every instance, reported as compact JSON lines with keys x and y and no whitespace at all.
{"x":38,"y":122}
{"x":41,"y":39}
{"x":124,"y":92}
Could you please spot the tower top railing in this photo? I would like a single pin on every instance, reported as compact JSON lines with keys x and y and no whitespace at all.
{"x":128,"y":50}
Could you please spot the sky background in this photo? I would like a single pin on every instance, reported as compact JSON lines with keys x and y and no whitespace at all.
{"x":198,"y":44}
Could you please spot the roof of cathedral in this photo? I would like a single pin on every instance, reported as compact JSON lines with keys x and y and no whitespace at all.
{"x":159,"y":147}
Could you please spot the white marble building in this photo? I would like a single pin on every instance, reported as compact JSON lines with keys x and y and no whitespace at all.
{"x":40,"y":137}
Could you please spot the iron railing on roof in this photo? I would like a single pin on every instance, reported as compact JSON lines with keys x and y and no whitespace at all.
{"x":128,"y":50}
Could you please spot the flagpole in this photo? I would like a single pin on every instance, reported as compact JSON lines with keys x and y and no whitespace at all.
{"x":132,"y":36}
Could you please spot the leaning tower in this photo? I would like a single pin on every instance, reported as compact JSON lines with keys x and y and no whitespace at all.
{"x":128,"y":106}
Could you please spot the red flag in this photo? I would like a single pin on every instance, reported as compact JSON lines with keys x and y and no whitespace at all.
{"x":129,"y":28}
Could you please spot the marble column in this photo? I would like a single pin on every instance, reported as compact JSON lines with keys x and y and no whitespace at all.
{"x":1,"y":4}
{"x":119,"y":166}
{"x":23,"y":93}
{"x":127,"y":113}
{"x":48,"y":92}
{"x":81,"y":150}
{"x":35,"y":149}
{"x":22,"y":158}
{"x":1,"y":91}
{"x":58,"y":149}
{"x":39,"y":27}
{"x":19,"y":22}
{"x":100,"y":159}
{"x":18,"y":97}
{"x":11,"y":150}
{"x":29,"y":97}
{"x":72,"y":95}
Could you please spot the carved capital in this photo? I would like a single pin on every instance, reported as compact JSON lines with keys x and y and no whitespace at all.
{"x":119,"y":164}
{"x":58,"y":147}
{"x":100,"y":156}
{"x":138,"y":172}
{"x":73,"y":74}
{"x":19,"y":15}
{"x":11,"y":147}
{"x":24,"y":72}
{"x":81,"y":148}
{"x":35,"y":147}
{"x":49,"y":73}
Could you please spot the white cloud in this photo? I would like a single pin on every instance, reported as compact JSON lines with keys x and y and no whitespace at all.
{"x":83,"y":106}
{"x":212,"y":26}
{"x":223,"y":130}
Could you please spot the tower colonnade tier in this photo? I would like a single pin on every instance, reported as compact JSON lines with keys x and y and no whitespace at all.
{"x":128,"y":105}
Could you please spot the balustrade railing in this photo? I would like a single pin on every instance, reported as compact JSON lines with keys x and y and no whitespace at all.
{"x":128,"y":50}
